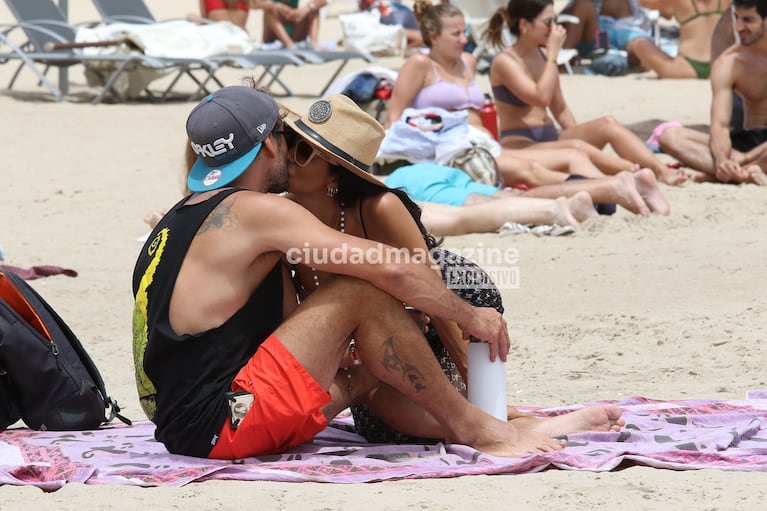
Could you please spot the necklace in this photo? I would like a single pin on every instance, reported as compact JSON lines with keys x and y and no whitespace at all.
{"x":341,"y":226}
{"x":352,"y":351}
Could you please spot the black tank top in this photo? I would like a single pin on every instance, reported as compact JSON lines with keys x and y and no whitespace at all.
{"x":182,"y":379}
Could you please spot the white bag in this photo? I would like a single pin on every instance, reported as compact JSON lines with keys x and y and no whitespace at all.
{"x":363,"y":31}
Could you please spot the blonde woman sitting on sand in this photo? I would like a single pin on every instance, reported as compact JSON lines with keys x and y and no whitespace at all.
{"x":526,"y":87}
{"x":445,"y":79}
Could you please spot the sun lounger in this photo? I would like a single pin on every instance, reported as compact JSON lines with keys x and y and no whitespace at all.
{"x":50,"y":42}
{"x":136,"y":11}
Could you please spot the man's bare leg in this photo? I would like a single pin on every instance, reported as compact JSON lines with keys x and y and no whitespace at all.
{"x":393,"y":349}
{"x":585,"y":30}
{"x":689,"y":147}
{"x":383,"y":399}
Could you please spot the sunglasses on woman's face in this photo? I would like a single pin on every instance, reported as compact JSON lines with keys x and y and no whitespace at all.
{"x":304,"y":152}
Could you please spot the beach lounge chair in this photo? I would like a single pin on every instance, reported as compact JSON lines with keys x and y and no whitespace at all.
{"x":50,"y":42}
{"x":136,"y":11}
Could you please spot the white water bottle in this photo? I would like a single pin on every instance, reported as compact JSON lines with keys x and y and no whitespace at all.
{"x":487,"y":380}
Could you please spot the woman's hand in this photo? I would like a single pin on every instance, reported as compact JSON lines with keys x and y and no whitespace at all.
{"x":421,"y":319}
{"x":556,"y":40}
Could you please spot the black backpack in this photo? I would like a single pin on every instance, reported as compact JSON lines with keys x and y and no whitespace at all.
{"x":46,"y":376}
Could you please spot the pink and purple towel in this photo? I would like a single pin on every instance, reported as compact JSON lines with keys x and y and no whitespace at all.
{"x":679,"y":435}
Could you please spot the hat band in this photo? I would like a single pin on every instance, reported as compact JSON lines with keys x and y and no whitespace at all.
{"x":330,"y":147}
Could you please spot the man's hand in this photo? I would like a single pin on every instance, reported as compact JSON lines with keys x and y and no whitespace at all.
{"x":488,"y":325}
{"x":730,"y":170}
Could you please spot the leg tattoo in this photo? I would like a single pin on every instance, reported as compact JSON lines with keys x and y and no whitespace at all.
{"x":392,"y":362}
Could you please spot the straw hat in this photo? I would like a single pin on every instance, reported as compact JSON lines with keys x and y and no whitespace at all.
{"x":341,"y":130}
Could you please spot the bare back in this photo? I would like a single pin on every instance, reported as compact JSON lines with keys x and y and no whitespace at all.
{"x":223,"y":266}
{"x":696,"y":26}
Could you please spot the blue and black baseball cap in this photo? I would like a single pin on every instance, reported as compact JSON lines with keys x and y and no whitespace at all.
{"x":226,"y":131}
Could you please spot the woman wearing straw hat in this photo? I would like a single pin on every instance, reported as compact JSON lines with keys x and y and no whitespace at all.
{"x":329,"y":157}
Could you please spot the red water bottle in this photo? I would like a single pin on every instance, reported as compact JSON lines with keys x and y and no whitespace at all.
{"x":489,"y":117}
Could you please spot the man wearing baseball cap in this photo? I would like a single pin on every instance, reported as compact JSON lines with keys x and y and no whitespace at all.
{"x":227,"y":366}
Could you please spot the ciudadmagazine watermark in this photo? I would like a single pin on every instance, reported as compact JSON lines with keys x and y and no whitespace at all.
{"x":495,"y":266}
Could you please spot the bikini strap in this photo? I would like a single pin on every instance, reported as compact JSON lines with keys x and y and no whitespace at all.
{"x":434,"y":68}
{"x":362,"y":221}
{"x":471,"y":76}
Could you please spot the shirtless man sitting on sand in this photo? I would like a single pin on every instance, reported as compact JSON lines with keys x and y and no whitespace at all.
{"x":732,"y":154}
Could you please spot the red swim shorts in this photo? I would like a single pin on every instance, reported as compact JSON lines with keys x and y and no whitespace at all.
{"x":286,"y":410}
{"x":212,"y":5}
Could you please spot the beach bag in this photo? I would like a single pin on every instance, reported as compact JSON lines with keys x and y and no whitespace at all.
{"x":47,"y":379}
{"x":364,"y":32}
{"x":479,"y":164}
{"x":362,"y":88}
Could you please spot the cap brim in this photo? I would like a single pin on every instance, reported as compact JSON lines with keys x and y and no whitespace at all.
{"x":203,"y":178}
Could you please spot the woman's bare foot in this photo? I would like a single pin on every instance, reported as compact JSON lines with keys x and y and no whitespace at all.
{"x":592,"y":418}
{"x":573,"y":210}
{"x":627,"y":194}
{"x":671,"y":176}
{"x":528,"y":435}
{"x":582,"y":206}
{"x":648,"y":189}
{"x":562,"y":215}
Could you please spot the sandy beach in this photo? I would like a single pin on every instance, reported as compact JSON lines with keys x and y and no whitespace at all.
{"x":660,"y":307}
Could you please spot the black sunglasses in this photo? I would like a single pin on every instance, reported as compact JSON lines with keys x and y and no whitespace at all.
{"x":288,"y":133}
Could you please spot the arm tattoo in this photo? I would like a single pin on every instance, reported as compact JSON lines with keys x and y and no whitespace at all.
{"x":392,"y":362}
{"x":219,"y":218}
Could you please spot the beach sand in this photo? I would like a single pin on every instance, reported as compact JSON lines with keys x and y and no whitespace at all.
{"x":661,"y":307}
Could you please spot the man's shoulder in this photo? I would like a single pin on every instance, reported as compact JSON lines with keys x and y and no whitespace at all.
{"x":725,"y":62}
{"x":739,"y":61}
{"x":260,"y":197}
{"x":254,"y":204}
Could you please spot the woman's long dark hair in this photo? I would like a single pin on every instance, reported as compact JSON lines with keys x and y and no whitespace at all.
{"x":511,"y":15}
{"x":353,"y":189}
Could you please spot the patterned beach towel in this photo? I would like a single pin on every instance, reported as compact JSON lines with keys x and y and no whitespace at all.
{"x":680,"y":435}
